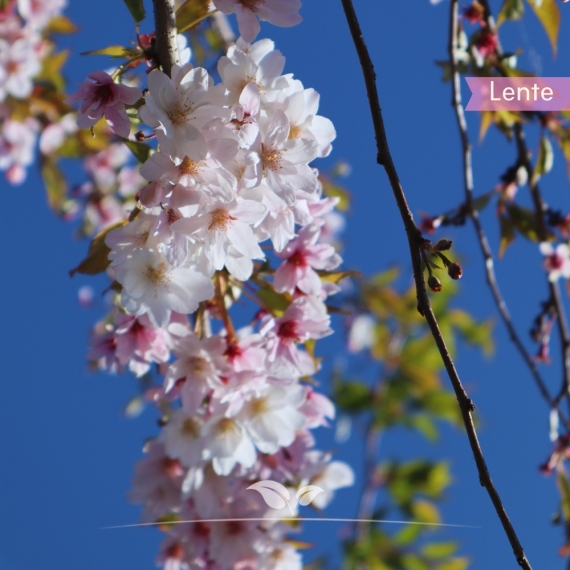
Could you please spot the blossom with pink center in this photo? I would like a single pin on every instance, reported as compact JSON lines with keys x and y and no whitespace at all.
{"x":54,"y":135}
{"x":104,"y":348}
{"x":157,"y":482}
{"x":244,"y":116}
{"x":18,"y":65}
{"x":38,"y":13}
{"x":284,"y":13}
{"x":300,"y":322}
{"x":302,"y":257}
{"x":200,"y":368}
{"x":17,"y":142}
{"x":102,"y":96}
{"x":317,"y":408}
{"x":103,"y":166}
{"x":557,"y":261}
{"x":139,"y":344}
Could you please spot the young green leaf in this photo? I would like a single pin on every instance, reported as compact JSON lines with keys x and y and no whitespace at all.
{"x":96,"y":260}
{"x":511,"y":10}
{"x":139,"y":149}
{"x":545,"y":159}
{"x":549,"y":15}
{"x":191,"y":13}
{"x":114,"y":52}
{"x":136,"y":8}
{"x":55,"y":183}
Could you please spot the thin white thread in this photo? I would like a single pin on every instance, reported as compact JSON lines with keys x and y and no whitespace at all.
{"x":285,"y":519}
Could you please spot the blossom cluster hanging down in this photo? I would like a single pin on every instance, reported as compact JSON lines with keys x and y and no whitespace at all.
{"x":24,"y":44}
{"x":232,"y":171}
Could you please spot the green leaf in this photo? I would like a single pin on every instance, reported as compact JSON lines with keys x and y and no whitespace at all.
{"x":425,"y":511}
{"x":480,"y":203}
{"x":51,"y":67}
{"x":487,"y":118}
{"x":459,"y":563}
{"x":439,"y":550}
{"x":136,"y":8}
{"x":55,"y":183}
{"x":545,"y":159}
{"x":96,"y":260}
{"x":114,"y":51}
{"x":337,"y":276}
{"x":336,"y":191}
{"x":60,"y":25}
{"x":275,"y":302}
{"x":511,"y":10}
{"x":564,"y":488}
{"x":353,"y":396}
{"x":549,"y":15}
{"x":139,"y":149}
{"x":507,"y":234}
{"x":524,"y":220}
{"x":191,"y":13}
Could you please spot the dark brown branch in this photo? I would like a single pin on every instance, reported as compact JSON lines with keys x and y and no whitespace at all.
{"x":474,"y":214}
{"x":414,"y":236}
{"x":166,"y":41}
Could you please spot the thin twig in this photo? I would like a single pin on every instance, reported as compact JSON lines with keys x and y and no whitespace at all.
{"x":414,"y":236}
{"x":166,"y":34}
{"x":540,"y":212}
{"x":556,"y":300}
{"x":474,"y":214}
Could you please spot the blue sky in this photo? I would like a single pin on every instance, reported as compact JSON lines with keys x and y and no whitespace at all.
{"x":68,"y":454}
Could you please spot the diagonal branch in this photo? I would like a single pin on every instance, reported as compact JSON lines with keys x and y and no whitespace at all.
{"x":166,"y":34}
{"x":474,"y":214}
{"x":424,"y":307}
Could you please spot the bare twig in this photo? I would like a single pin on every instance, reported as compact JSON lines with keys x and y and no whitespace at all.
{"x":474,"y":214}
{"x":166,"y":41}
{"x":556,"y":300}
{"x":540,"y":212}
{"x":424,"y":307}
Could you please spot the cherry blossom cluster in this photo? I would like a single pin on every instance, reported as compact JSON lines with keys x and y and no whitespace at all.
{"x":232,"y":170}
{"x":22,"y":49}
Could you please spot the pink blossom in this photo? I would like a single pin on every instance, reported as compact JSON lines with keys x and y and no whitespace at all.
{"x":557,"y":261}
{"x":284,"y":13}
{"x":300,"y":322}
{"x":302,"y":256}
{"x":17,"y":142}
{"x":139,"y":344}
{"x":102,"y":96}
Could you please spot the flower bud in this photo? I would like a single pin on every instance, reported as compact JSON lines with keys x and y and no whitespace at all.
{"x":454,"y":270}
{"x":434,"y":284}
{"x":443,"y":245}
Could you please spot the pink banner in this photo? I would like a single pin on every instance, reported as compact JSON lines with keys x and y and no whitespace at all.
{"x":519,"y":94}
